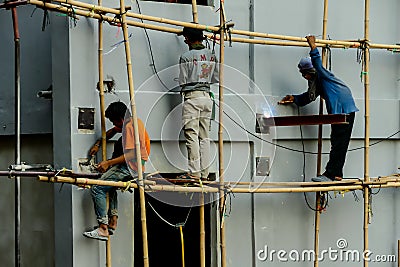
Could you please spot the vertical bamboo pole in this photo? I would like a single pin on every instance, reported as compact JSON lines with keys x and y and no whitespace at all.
{"x":201,"y":196}
{"x":398,"y":253}
{"x":101,"y":90}
{"x":17,"y":133}
{"x":135,"y":126}
{"x":202,"y":232}
{"x":103,"y":120}
{"x":366,"y":141}
{"x":317,"y":217}
{"x":220,"y":135}
{"x":194,"y":11}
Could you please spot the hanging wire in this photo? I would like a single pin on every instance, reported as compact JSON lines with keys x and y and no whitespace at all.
{"x":167,"y":222}
{"x":297,"y":150}
{"x":323,"y":203}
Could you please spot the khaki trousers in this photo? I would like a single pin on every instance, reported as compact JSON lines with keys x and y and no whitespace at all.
{"x":196,"y":114}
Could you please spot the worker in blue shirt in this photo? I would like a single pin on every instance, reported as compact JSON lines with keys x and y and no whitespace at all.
{"x":338,"y":100}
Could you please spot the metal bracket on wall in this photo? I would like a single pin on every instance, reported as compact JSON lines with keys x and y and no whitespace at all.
{"x":262,"y":166}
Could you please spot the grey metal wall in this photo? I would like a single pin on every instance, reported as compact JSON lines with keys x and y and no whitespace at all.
{"x":278,"y":221}
{"x":35,"y":72}
{"x":37,"y":207}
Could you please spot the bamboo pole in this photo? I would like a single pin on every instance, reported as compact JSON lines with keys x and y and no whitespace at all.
{"x":317,"y":216}
{"x":367,"y":191}
{"x":221,"y":136}
{"x":201,"y":197}
{"x":151,"y":187}
{"x":202,"y":233}
{"x":101,"y":89}
{"x":136,"y":132}
{"x":103,"y":119}
{"x":398,"y":253}
{"x":294,"y":41}
{"x":194,"y":11}
{"x":91,"y":7}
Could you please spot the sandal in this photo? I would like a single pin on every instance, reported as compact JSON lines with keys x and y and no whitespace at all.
{"x":95,"y":235}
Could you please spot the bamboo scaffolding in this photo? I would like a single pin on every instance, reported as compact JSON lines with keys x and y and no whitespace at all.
{"x":365,"y":72}
{"x":136,"y":133}
{"x":294,"y":41}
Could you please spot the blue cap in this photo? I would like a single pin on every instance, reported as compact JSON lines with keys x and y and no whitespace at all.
{"x":305,"y":64}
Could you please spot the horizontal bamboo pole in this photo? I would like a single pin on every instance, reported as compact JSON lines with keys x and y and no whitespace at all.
{"x":293,"y":40}
{"x":373,"y":181}
{"x":87,"y":181}
{"x":48,"y":173}
{"x":206,"y":189}
{"x":149,"y":187}
{"x":93,"y":8}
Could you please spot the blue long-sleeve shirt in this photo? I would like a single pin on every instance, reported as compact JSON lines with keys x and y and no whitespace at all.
{"x":337,"y":95}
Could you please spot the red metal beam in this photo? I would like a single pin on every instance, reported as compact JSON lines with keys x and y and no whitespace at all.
{"x":263,"y":122}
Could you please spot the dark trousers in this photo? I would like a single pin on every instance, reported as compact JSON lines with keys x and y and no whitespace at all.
{"x":340,"y":139}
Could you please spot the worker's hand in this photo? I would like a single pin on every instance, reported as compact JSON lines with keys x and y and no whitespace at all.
{"x":311,"y":41}
{"x":103,"y":166}
{"x":93,"y":150}
{"x":289,"y":99}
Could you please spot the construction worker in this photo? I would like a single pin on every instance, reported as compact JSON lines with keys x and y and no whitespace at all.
{"x":338,"y":100}
{"x":198,"y":69}
{"x":122,"y":166}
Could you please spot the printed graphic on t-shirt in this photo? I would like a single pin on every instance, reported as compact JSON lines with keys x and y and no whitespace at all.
{"x":205,"y":71}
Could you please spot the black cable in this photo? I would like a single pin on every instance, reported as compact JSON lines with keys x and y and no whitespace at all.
{"x":304,"y":169}
{"x":297,"y":150}
{"x":151,"y":50}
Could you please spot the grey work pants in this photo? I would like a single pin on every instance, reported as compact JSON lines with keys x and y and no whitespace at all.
{"x":196,"y":114}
